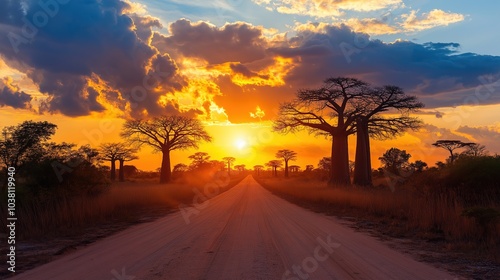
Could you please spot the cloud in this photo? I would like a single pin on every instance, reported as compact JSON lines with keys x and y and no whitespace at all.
{"x":326,"y":8}
{"x":434,"y":18}
{"x":372,"y":26}
{"x":82,"y":39}
{"x":484,"y":135}
{"x":432,"y":71}
{"x":259,"y":113}
{"x":233,"y":42}
{"x":11,"y":95}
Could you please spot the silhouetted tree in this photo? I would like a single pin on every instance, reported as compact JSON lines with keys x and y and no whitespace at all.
{"x":180,"y":167}
{"x":286,"y":155}
{"x":327,"y":111}
{"x":126,"y":154}
{"x":418,"y":165}
{"x":309,"y":168}
{"x":275,"y":164}
{"x":199,"y":160}
{"x":294,"y":168}
{"x":370,"y":123}
{"x":20,"y":141}
{"x":452,"y":145}
{"x":325,"y":164}
{"x":258,"y":168}
{"x":229,"y":160}
{"x":475,"y":150}
{"x":217,"y":165}
{"x":165,"y":134}
{"x":240,"y":167}
{"x":112,"y":152}
{"x":89,"y":153}
{"x":394,"y":160}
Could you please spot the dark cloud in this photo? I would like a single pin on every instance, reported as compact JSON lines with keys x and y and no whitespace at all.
{"x":79,"y":40}
{"x":235,"y":42}
{"x":11,"y":95}
{"x":430,"y":70}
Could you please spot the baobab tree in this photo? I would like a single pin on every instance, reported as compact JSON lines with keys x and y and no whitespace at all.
{"x":258,"y":168}
{"x":112,"y":152}
{"x":165,"y":134}
{"x":330,"y":110}
{"x":240,"y":167}
{"x":229,"y":160}
{"x":370,"y":123}
{"x":286,"y":155}
{"x":127,"y":154}
{"x":451,"y":145}
{"x":294,"y":168}
{"x":275,"y":164}
{"x":198,"y":160}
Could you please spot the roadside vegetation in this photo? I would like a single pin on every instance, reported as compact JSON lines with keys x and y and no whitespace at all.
{"x":457,"y":205}
{"x":65,"y":191}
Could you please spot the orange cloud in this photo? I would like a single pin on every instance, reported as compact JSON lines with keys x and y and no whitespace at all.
{"x":259,"y":113}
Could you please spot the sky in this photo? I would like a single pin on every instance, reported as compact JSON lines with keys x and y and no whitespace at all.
{"x":88,"y":66}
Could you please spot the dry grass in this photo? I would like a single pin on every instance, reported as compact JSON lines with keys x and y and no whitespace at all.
{"x":127,"y":202}
{"x":429,"y":216}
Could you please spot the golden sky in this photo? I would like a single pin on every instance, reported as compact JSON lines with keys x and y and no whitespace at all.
{"x":110,"y":62}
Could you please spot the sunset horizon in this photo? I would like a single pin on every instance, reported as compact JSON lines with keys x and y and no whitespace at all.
{"x":343,"y":107}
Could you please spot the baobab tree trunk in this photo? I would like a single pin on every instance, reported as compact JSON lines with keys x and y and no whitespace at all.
{"x":286,"y":168}
{"x":339,"y":173}
{"x":229,"y":169}
{"x":113,"y":170}
{"x":121,"y":176}
{"x":165,"y":171}
{"x":362,"y":164}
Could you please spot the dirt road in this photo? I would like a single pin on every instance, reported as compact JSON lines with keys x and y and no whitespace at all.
{"x":244,"y":233}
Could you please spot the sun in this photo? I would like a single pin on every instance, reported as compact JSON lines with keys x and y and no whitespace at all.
{"x":240,"y":143}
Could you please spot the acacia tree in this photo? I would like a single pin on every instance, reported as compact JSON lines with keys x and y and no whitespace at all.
{"x":229,"y":160}
{"x":371,"y":123}
{"x":274,"y":164}
{"x":165,"y":134}
{"x":286,"y":155}
{"x":452,"y":145}
{"x":330,"y":110}
{"x":475,"y":150}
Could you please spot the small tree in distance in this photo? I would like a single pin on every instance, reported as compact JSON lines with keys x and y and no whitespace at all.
{"x":165,"y":134}
{"x":286,"y":155}
{"x":258,"y":168}
{"x":452,"y":145}
{"x":274,"y":164}
{"x":127,"y":154}
{"x":112,"y":152}
{"x":394,"y":160}
{"x":229,"y":160}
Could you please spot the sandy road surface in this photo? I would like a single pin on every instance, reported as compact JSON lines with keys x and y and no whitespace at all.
{"x":244,"y":233}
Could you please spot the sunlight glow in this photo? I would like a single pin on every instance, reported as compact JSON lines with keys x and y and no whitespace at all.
{"x":240,"y":144}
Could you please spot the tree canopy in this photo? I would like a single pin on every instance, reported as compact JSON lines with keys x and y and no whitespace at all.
{"x":165,"y":134}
